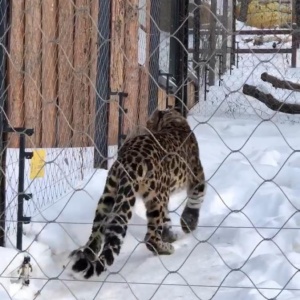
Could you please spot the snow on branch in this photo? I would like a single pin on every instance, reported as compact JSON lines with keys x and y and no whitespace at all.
{"x":278,"y":83}
{"x":270,"y":101}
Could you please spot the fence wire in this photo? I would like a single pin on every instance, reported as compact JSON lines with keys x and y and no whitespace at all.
{"x":84,"y":75}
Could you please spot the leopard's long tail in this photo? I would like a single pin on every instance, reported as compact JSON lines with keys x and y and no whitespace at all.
{"x":109,"y":227}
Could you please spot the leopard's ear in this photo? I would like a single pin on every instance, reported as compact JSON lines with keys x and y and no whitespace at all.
{"x":160,"y":114}
{"x":178,"y":109}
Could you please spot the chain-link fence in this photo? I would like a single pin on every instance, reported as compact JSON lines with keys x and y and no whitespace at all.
{"x":79,"y":76}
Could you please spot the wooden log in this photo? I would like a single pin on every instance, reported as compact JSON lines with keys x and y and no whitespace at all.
{"x":81,"y":84}
{"x":49,"y":74}
{"x":15,"y":105}
{"x":32,"y":77}
{"x":278,"y":83}
{"x":131,"y":63}
{"x":65,"y":72}
{"x":117,"y":68}
{"x":270,"y":101}
{"x":93,"y":70}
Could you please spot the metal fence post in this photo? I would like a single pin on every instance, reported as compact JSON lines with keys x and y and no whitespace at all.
{"x":4,"y":17}
{"x":154,"y":55}
{"x":21,"y":195}
{"x":224,"y":35}
{"x":196,"y":54}
{"x":212,"y":44}
{"x":233,"y":36}
{"x":102,"y":85}
{"x":181,"y":13}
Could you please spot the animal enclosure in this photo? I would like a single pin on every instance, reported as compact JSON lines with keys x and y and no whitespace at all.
{"x":78,"y":76}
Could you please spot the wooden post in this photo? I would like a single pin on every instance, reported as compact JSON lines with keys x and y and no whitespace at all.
{"x":191,"y":93}
{"x":162,"y":94}
{"x":131,"y":63}
{"x":49,"y":75}
{"x":15,"y":65}
{"x":117,"y":68}
{"x":65,"y":72}
{"x":32,"y":57}
{"x":93,"y":69}
{"x":81,"y":84}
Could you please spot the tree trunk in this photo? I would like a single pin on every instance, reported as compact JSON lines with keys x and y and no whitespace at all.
{"x":278,"y":83}
{"x":270,"y":101}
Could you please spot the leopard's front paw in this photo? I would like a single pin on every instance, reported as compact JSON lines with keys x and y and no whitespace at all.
{"x":189,"y":219}
{"x":168,"y":235}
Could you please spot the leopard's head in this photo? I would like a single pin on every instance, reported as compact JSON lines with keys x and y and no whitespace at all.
{"x":166,"y":119}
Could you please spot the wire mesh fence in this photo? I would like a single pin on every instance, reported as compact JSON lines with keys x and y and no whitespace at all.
{"x":80,"y":77}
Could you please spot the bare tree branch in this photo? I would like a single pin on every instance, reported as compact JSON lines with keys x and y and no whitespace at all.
{"x":270,"y":101}
{"x":278,"y":83}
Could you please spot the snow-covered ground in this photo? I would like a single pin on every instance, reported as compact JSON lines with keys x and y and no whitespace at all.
{"x":246,"y":247}
{"x":229,"y":101}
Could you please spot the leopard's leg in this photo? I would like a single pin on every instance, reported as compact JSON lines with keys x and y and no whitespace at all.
{"x":116,"y":229}
{"x":155,"y":212}
{"x":168,"y":235}
{"x":84,"y":257}
{"x":196,"y":191}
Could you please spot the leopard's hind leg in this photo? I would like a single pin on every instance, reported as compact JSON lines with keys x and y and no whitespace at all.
{"x":196,"y":191}
{"x":84,"y":258}
{"x":110,"y":226}
{"x":117,"y":227}
{"x":168,"y":235}
{"x":155,"y":202}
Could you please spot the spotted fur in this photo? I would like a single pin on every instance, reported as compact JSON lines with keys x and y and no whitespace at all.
{"x":151,"y":165}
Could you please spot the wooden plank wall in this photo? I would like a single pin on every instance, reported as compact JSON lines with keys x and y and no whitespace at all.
{"x":53,"y":65}
{"x":49,"y":74}
{"x":117,"y":61}
{"x":52,"y":71}
{"x":131,"y":66}
{"x":15,"y":105}
{"x":32,"y":66}
{"x":126,"y":74}
{"x":65,"y":78}
{"x":93,"y":70}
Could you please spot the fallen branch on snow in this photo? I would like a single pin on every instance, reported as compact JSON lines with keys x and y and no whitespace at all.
{"x":270,"y":101}
{"x":278,"y":83}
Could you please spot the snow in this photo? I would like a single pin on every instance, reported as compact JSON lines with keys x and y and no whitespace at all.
{"x":246,"y":247}
{"x":64,"y":170}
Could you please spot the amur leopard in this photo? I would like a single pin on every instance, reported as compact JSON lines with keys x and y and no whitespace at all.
{"x":151,"y":165}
